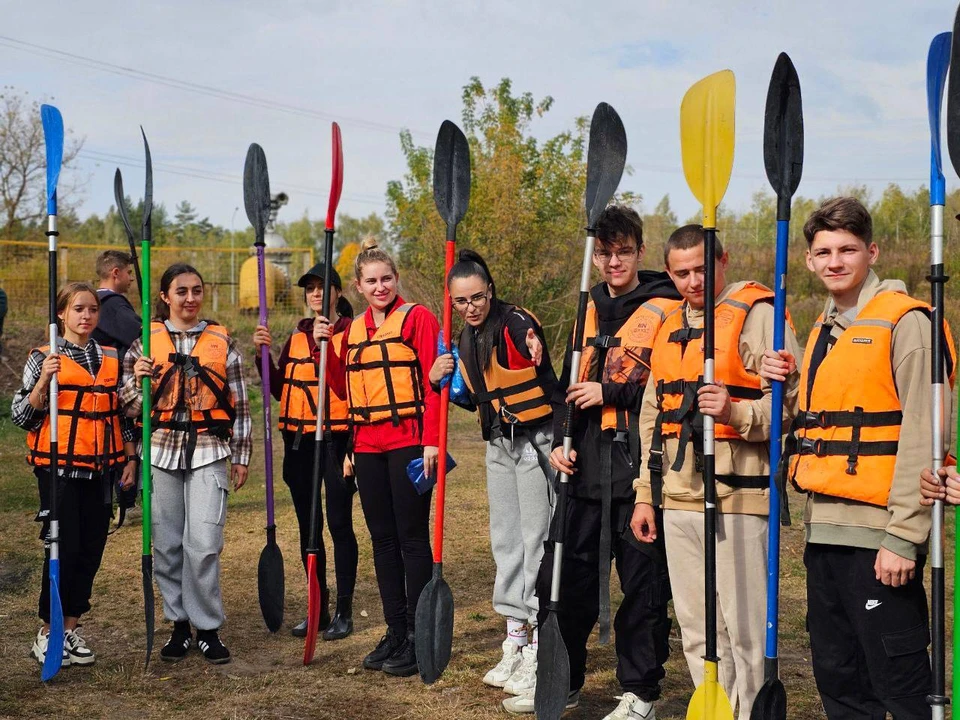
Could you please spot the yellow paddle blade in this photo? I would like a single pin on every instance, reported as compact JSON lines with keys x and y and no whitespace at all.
{"x":707,"y":139}
{"x":709,"y":701}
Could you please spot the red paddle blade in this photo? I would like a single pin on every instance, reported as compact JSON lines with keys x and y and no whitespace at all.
{"x":313,"y":609}
{"x":336,"y":180}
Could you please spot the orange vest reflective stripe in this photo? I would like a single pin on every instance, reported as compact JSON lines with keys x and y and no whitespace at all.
{"x":517,"y":396}
{"x":628,"y":352}
{"x":298,"y":396}
{"x":848,"y":428}
{"x":88,"y":429}
{"x":384,"y":380}
{"x":678,"y":367}
{"x":196,"y":382}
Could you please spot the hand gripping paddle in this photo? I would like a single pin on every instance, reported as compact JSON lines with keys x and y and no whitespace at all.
{"x":321,"y":449}
{"x":606,"y":156}
{"x":434,"y":616}
{"x":256,"y":201}
{"x":53,"y":138}
{"x":706,"y":141}
{"x":783,"y":158}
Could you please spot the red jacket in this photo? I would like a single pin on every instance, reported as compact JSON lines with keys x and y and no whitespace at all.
{"x":421,"y":332}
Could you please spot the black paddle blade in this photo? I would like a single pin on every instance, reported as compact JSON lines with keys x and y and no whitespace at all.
{"x":771,"y":702}
{"x":783,"y":134}
{"x":553,"y":672}
{"x":606,"y":157}
{"x":451,"y":175}
{"x":256,"y":190}
{"x":122,"y":205}
{"x":149,"y":605}
{"x":270,"y":586}
{"x":953,"y":98}
{"x":434,"y":623}
{"x":147,"y":227}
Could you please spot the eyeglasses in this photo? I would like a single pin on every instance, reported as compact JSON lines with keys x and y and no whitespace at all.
{"x":476,"y":301}
{"x":623,"y":254}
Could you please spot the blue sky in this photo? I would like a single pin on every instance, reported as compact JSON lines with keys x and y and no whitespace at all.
{"x":379,"y":66}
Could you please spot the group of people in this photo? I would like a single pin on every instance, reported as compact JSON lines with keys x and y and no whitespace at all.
{"x":857,"y":401}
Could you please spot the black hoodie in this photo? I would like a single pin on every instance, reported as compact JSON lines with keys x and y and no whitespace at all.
{"x":589,"y":440}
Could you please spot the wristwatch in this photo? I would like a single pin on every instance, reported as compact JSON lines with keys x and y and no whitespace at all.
{"x":133,"y":458}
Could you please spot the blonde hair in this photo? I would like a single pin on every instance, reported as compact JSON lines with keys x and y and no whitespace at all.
{"x":370,"y":252}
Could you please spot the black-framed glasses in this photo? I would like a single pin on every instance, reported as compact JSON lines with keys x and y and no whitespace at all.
{"x":475,"y":301}
{"x":622,"y":253}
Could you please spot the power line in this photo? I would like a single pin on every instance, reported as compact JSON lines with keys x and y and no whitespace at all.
{"x":209,"y":90}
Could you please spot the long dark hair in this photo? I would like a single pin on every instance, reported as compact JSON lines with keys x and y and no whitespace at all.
{"x":470,"y":264}
{"x":162,"y":310}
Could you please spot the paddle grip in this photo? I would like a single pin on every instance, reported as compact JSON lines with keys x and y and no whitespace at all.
{"x":265,"y":384}
{"x":776,"y":443}
{"x":451,"y":245}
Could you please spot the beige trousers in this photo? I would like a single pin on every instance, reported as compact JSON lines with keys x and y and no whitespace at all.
{"x":741,"y":597}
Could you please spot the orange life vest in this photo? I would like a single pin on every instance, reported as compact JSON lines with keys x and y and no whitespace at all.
{"x":88,"y":429}
{"x":384,"y":379}
{"x":678,"y":367}
{"x":298,"y":396}
{"x":848,"y":429}
{"x":517,"y":396}
{"x":627,"y":359}
{"x":196,"y":383}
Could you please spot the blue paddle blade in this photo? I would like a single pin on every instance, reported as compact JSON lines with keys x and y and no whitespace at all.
{"x":53,"y":137}
{"x":938,"y":63}
{"x":54,"y":657}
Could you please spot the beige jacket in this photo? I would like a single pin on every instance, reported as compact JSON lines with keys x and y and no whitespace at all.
{"x":683,"y":489}
{"x":904,"y":525}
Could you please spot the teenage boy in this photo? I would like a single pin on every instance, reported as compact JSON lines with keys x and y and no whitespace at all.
{"x":862,"y":437}
{"x":671,"y":427}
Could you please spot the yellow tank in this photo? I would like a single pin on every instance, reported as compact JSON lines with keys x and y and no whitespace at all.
{"x":277,"y":282}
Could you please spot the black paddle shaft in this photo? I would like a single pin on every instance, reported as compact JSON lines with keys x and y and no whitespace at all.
{"x":709,"y":464}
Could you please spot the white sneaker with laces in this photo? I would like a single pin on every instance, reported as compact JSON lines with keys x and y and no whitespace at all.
{"x":76,"y":647}
{"x":39,"y":650}
{"x":522,"y":704}
{"x":508,"y":664}
{"x":632,"y":707}
{"x":524,"y":678}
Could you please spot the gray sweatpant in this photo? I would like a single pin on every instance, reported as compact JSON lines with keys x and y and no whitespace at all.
{"x":189,"y":510}
{"x":520,"y":510}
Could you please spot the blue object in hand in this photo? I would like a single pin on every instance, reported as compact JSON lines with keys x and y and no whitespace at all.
{"x":458,"y":388}
{"x":421,"y":482}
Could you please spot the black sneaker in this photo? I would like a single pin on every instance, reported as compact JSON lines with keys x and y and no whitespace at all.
{"x":403,"y":662}
{"x":214,"y":651}
{"x":385,"y":648}
{"x":179,"y":643}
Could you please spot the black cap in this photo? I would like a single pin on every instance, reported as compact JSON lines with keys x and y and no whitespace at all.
{"x":319,"y":271}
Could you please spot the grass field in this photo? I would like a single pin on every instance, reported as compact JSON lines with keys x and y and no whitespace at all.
{"x":266,"y":678}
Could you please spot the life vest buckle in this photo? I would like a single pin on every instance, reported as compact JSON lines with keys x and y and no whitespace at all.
{"x":605,"y":341}
{"x":621,"y":436}
{"x":809,"y":446}
{"x":809,"y":419}
{"x":655,"y":462}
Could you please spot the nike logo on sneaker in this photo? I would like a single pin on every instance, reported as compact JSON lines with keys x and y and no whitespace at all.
{"x":871,"y":604}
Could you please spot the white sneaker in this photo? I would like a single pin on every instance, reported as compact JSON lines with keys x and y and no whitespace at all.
{"x":522,"y":704}
{"x":39,"y":650}
{"x":506,"y":667}
{"x":524,"y":678}
{"x":76,"y":647}
{"x":632,"y":708}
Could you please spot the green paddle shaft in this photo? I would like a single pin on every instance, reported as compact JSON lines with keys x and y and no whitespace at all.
{"x":145,"y":460}
{"x":956,"y":587}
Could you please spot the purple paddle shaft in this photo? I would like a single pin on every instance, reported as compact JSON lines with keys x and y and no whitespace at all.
{"x":265,"y":386}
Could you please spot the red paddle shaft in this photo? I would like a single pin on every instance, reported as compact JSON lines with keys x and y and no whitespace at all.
{"x":444,"y":408}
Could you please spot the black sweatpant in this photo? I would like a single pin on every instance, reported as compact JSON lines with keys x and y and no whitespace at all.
{"x":641,"y":625}
{"x":84,"y":508}
{"x":399,"y":523}
{"x":298,"y":475}
{"x":869,"y":640}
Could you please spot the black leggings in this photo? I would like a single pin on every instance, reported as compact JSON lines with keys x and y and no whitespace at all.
{"x":399,"y":523}
{"x":298,"y":475}
{"x":84,"y":512}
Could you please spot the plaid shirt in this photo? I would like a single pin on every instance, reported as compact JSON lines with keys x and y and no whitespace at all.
{"x":169,"y":446}
{"x":25,"y":415}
